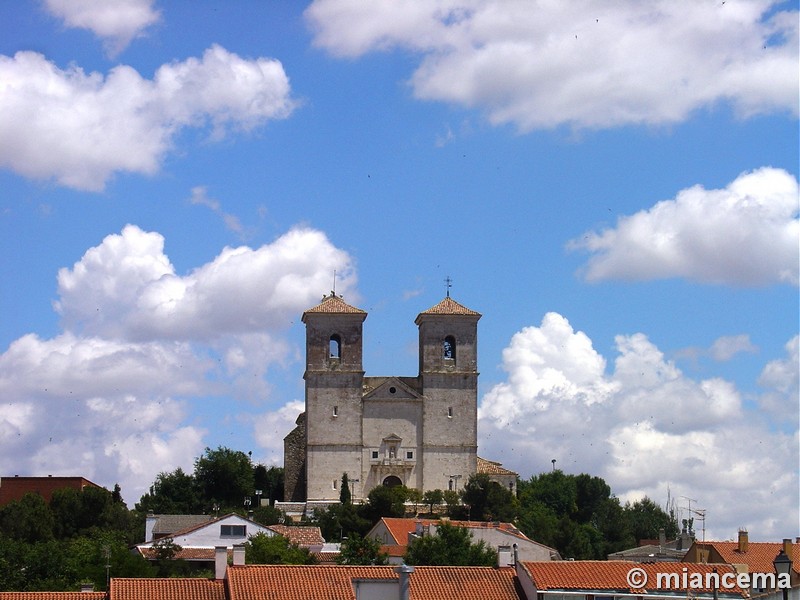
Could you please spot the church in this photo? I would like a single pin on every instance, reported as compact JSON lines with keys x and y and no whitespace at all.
{"x":420,"y":431}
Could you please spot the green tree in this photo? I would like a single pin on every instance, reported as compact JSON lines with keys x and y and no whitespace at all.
{"x":225,"y":476}
{"x":488,"y":500}
{"x":384,"y":501}
{"x":28,"y":519}
{"x":645,"y":518}
{"x":269,"y":481}
{"x":433,"y":498}
{"x":344,"y":493}
{"x":267,"y":515}
{"x":415,"y":497}
{"x":341,"y":520}
{"x":455,"y":509}
{"x":357,"y":550}
{"x":172,"y":493}
{"x":450,"y":545}
{"x":263,"y":549}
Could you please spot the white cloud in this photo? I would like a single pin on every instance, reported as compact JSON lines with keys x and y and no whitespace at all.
{"x":646,"y":426}
{"x":726,"y":347}
{"x":127,"y":288}
{"x":745,"y":234}
{"x":116,"y":22}
{"x":588,"y":65}
{"x":200,"y":197}
{"x":270,"y":429}
{"x":109,"y":397}
{"x":80,"y":129}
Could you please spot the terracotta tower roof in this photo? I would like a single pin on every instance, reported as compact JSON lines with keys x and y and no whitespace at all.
{"x":448,"y":306}
{"x":333,"y":304}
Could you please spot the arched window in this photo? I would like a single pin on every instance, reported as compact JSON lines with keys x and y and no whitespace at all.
{"x":449,"y":348}
{"x":335,"y":346}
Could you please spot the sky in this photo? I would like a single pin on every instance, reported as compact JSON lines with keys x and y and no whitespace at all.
{"x":613,"y":186}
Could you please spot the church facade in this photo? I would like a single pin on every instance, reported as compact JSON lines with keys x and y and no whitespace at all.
{"x":420,"y":431}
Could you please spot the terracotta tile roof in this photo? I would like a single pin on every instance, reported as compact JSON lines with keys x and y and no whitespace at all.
{"x":612,"y":575}
{"x":400,"y":528}
{"x":758,"y":557}
{"x":323,"y":582}
{"x":303,"y":536}
{"x":491,"y":467}
{"x":448,"y":306}
{"x":52,"y":595}
{"x":166,"y":589}
{"x":325,"y":558}
{"x":394,"y":550}
{"x":333,"y":305}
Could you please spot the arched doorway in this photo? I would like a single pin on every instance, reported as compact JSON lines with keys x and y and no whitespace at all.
{"x":392,"y":481}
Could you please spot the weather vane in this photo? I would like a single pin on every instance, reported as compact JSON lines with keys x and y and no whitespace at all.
{"x":448,"y":284}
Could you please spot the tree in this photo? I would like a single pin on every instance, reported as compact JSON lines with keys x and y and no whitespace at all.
{"x":28,"y":519}
{"x":344,"y":493}
{"x":450,"y":545}
{"x":172,"y":493}
{"x":488,"y":500}
{"x":225,"y":476}
{"x":455,"y":509}
{"x":645,"y":518}
{"x":384,"y":501}
{"x":341,"y":520}
{"x":263,"y":549}
{"x":415,"y":496}
{"x":267,"y":515}
{"x":269,"y":481}
{"x":357,"y":550}
{"x":433,"y":498}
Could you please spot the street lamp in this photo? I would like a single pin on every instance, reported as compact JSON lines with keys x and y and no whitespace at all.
{"x":783,"y":565}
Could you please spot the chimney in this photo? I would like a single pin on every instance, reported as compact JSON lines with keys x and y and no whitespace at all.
{"x":405,"y":577}
{"x":87,"y":588}
{"x":662,"y":539}
{"x":149,"y":526}
{"x":743,"y":541}
{"x":220,"y":562}
{"x":787,"y":548}
{"x":238,"y":555}
{"x":504,"y":556}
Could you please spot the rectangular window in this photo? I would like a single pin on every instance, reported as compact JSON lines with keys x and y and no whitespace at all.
{"x":335,"y":411}
{"x":334,"y":484}
{"x":374,"y":454}
{"x":449,"y":412}
{"x":409,"y":455}
{"x":233,"y":530}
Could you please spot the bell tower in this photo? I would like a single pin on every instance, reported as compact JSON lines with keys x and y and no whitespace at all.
{"x":448,"y":373}
{"x":334,"y":380}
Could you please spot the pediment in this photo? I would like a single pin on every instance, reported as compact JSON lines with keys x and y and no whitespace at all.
{"x":392,"y":389}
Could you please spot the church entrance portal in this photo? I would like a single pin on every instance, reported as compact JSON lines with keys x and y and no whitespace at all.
{"x":392,"y":481}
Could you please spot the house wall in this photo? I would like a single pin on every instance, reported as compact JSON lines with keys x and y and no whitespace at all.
{"x":209,"y":536}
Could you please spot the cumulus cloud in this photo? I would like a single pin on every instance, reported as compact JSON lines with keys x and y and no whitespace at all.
{"x":80,"y":128}
{"x":587,"y":65}
{"x":117,"y":23}
{"x":745,"y":234}
{"x":114,"y":396}
{"x":127,"y":288}
{"x":645,"y":426}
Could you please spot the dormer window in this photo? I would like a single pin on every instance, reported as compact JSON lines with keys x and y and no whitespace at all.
{"x":335,"y":347}
{"x":449,"y":348}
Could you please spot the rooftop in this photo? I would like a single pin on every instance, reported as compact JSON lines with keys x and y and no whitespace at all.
{"x":613,"y":575}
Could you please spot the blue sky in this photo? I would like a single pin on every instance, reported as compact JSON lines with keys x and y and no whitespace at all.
{"x":614,"y":187}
